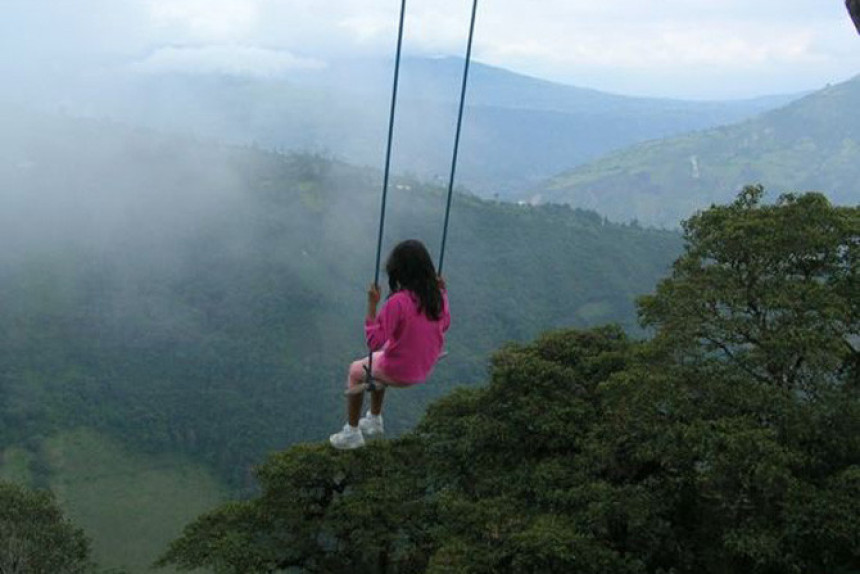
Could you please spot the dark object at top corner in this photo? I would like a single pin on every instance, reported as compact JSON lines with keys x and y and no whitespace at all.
{"x":854,"y":9}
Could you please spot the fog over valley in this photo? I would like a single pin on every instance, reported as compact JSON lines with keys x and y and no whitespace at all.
{"x":652,"y":364}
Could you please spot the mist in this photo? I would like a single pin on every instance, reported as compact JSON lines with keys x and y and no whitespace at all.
{"x":296,"y":77}
{"x":190,"y":194}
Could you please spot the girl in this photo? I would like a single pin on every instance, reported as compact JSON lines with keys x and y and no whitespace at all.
{"x":406,"y":338}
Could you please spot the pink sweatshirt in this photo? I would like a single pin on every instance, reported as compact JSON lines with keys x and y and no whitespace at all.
{"x":411,"y":343}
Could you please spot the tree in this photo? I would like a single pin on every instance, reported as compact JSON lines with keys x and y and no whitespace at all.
{"x":320,"y":510}
{"x":35,"y":537}
{"x":730,"y":442}
{"x":773,"y":288}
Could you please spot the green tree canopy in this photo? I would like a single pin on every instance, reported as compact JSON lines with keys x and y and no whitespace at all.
{"x":700,"y":450}
{"x":35,"y":537}
{"x":772,"y":288}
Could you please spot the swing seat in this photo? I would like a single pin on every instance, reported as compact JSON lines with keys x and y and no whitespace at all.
{"x":362,"y":387}
{"x":370,"y":383}
{"x":365,"y":386}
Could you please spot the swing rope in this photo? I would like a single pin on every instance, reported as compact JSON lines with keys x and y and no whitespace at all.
{"x":390,"y":138}
{"x":370,"y":383}
{"x":368,"y":369}
{"x":457,"y":137}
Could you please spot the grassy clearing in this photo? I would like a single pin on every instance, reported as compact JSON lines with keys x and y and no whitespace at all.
{"x":130,"y":504}
{"x":15,"y":465}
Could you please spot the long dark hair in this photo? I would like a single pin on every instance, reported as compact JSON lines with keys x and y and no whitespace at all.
{"x":409,"y":267}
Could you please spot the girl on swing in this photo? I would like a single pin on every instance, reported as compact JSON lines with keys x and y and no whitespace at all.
{"x":406,"y":338}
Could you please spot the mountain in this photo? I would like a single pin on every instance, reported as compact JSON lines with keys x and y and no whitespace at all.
{"x":438,"y":79}
{"x":810,"y":144}
{"x":166,"y":299}
{"x":517,"y":130}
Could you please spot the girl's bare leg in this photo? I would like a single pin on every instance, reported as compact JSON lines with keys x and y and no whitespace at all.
{"x":353,"y":408}
{"x":356,"y":401}
{"x":376,"y":398}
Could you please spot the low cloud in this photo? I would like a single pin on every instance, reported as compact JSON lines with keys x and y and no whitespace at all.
{"x":230,"y":60}
{"x":206,"y":20}
{"x":653,"y":47}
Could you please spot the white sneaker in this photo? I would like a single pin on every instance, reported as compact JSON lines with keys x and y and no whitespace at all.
{"x":348,"y":438}
{"x":371,"y":425}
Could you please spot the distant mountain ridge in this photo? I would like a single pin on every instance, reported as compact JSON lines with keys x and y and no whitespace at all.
{"x":810,"y":144}
{"x":434,"y":78}
{"x":518,"y":130}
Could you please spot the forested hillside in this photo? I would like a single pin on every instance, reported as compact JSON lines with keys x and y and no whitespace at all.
{"x":189,"y":298}
{"x":728,"y":443}
{"x":158,"y":285}
{"x":813,"y":143}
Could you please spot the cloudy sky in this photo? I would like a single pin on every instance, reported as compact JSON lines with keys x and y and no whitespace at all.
{"x":678,"y":48}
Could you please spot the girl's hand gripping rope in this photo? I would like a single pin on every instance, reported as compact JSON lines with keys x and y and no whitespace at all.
{"x":373,"y":298}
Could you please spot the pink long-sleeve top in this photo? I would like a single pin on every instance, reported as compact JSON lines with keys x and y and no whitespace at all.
{"x":411,"y":343}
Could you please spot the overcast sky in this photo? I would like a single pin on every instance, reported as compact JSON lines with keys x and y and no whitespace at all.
{"x":677,"y":48}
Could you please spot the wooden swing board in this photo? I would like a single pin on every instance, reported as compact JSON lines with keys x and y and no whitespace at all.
{"x":361,"y":388}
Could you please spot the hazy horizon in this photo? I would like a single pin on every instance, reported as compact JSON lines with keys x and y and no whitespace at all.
{"x":697,"y":49}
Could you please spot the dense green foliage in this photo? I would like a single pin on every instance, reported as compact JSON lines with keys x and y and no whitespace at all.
{"x":207,"y":300}
{"x":812,"y":143}
{"x":701,"y":450}
{"x":774,"y":289}
{"x":35,"y":537}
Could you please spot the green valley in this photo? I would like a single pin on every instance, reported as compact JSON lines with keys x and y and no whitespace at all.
{"x":129,"y":503}
{"x":175,"y":310}
{"x":651,"y":269}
